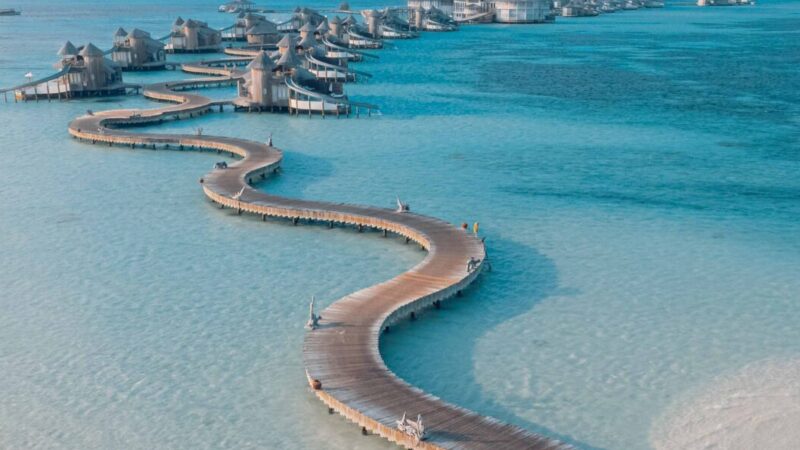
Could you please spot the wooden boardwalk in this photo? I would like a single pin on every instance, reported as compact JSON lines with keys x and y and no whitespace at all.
{"x":342,"y":353}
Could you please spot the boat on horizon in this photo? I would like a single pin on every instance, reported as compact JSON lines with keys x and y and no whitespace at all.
{"x":9,"y":12}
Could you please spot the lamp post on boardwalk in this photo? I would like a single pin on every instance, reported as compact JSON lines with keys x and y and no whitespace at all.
{"x":237,"y":196}
{"x":29,"y":76}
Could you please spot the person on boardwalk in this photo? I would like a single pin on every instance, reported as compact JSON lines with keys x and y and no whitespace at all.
{"x":475,"y":227}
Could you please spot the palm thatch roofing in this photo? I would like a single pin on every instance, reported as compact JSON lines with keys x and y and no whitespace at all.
{"x":138,"y":34}
{"x":262,"y":61}
{"x":308,"y":42}
{"x":263,"y":27}
{"x":288,"y":60}
{"x":287,"y":41}
{"x":90,"y":50}
{"x":68,"y":49}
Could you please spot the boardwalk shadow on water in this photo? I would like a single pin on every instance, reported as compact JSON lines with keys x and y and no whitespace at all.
{"x":437,"y":351}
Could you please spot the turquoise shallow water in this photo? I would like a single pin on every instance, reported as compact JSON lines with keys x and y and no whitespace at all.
{"x":636,"y":176}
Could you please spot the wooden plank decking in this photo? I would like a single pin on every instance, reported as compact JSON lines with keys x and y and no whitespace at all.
{"x":343,"y":352}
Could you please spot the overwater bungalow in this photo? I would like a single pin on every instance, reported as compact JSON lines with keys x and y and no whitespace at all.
{"x":373,"y":20}
{"x":431,"y":19}
{"x":193,"y":36}
{"x":285,"y":85}
{"x":316,"y":58}
{"x":337,"y":45}
{"x":335,"y":28}
{"x":393,"y":26}
{"x":237,"y":31}
{"x":300,"y":17}
{"x":577,"y":8}
{"x":263,"y":32}
{"x":472,"y":11}
{"x":244,"y":22}
{"x":361,"y":37}
{"x":445,"y":6}
{"x":81,"y":72}
{"x":503,"y":11}
{"x":522,"y":11}
{"x":322,"y":29}
{"x":307,"y":30}
{"x":137,"y":50}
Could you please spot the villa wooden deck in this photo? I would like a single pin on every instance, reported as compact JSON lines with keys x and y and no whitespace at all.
{"x":342,"y":353}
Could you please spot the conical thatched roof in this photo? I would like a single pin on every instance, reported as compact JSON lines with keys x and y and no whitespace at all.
{"x":287,"y":41}
{"x":261,"y":62}
{"x":288,"y":60}
{"x":263,"y":27}
{"x":120,"y":32}
{"x":138,"y":34}
{"x":178,"y":22}
{"x":307,"y":42}
{"x":67,"y":49}
{"x":91,"y":50}
{"x":336,"y":20}
{"x":323,"y":27}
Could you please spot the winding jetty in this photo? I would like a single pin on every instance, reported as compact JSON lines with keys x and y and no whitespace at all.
{"x":342,"y":358}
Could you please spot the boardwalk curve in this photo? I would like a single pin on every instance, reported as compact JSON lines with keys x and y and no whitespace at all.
{"x":342,"y":358}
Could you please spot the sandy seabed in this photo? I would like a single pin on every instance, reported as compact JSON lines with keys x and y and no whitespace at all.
{"x":755,"y":408}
